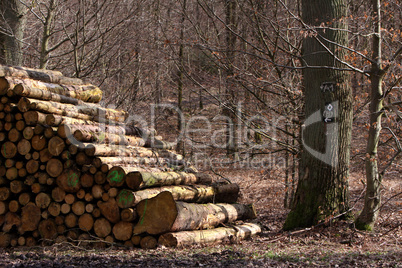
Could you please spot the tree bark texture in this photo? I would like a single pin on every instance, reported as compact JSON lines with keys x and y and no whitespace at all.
{"x":322,"y":189}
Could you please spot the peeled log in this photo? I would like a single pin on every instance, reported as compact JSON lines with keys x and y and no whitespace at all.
{"x":195,"y":193}
{"x":162,"y":214}
{"x":217,"y":235}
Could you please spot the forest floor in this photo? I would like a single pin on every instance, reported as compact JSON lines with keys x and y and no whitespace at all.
{"x":334,"y":245}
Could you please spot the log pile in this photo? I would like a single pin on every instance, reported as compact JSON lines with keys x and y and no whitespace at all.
{"x":72,"y":170}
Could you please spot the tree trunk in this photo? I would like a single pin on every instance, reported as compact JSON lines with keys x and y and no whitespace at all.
{"x":372,"y":199}
{"x":217,"y":235}
{"x":14,"y":16}
{"x":322,"y":190}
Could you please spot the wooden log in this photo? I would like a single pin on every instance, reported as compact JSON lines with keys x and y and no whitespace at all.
{"x":56,"y":146}
{"x":194,"y":193}
{"x":28,"y":132}
{"x":128,"y":214}
{"x":97,"y":191}
{"x":30,"y":217}
{"x":58,"y":194}
{"x":54,"y":167}
{"x":17,"y":186}
{"x":69,"y":180}
{"x":65,"y":208}
{"x":4,"y":193}
{"x":78,"y":208}
{"x":32,"y":166}
{"x":147,"y":179}
{"x":8,"y":149}
{"x":39,"y":74}
{"x":5,"y":239}
{"x":34,"y":117}
{"x":48,"y":229}
{"x":102,"y":227}
{"x":24,"y":146}
{"x":83,"y":111}
{"x":148,"y":242}
{"x":12,"y":173}
{"x":54,"y":209}
{"x":45,"y":155}
{"x":42,"y":200}
{"x":3,"y":209}
{"x":24,"y":198}
{"x":33,"y":88}
{"x":14,"y":135}
{"x":123,"y":230}
{"x":86,"y":222}
{"x":204,"y":237}
{"x":71,"y":220}
{"x":116,"y":176}
{"x":11,"y":220}
{"x":38,"y":142}
{"x":110,"y":210}
{"x":162,"y":214}
{"x":14,"y":206}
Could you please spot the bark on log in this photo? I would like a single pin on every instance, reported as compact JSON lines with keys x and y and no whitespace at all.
{"x":84,"y":111}
{"x":217,"y":235}
{"x":34,"y":117}
{"x":34,"y":89}
{"x":195,"y":193}
{"x":162,"y":214}
{"x":39,"y":74}
{"x":146,"y":179}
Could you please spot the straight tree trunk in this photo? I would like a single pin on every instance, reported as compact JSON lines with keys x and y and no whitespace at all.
{"x":372,"y":200}
{"x":322,"y":190}
{"x":14,"y":21}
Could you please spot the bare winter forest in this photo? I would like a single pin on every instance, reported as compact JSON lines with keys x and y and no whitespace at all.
{"x":234,"y":84}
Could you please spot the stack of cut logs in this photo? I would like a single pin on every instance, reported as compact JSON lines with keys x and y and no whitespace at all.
{"x":74,"y":171}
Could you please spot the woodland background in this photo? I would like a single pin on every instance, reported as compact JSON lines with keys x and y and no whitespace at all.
{"x":217,"y":62}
